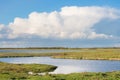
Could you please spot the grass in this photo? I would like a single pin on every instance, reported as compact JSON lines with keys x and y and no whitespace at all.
{"x":19,"y":71}
{"x":73,"y":76}
{"x":94,"y":54}
{"x":25,"y":68}
{"x":88,"y":76}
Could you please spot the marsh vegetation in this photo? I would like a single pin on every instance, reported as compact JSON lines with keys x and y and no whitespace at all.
{"x":22,"y":71}
{"x":80,"y":53}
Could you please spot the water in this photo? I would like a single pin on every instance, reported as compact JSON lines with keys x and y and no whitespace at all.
{"x":66,"y":66}
{"x":36,"y":50}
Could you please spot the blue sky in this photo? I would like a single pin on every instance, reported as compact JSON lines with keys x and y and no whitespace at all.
{"x":26,"y":23}
{"x":13,"y":8}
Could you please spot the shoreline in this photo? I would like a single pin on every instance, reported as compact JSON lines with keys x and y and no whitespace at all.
{"x":111,"y":59}
{"x":57,"y":57}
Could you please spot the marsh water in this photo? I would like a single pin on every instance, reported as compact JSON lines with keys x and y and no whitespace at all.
{"x":37,"y":50}
{"x":66,"y":66}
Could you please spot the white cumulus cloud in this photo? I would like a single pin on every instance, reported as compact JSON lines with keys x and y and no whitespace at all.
{"x":70,"y":23}
{"x":1,"y":27}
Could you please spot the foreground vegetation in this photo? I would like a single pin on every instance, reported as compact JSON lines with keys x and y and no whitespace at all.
{"x":79,"y":76}
{"x":73,"y":76}
{"x":14,"y":71}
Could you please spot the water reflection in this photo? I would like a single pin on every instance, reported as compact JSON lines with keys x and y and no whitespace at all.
{"x":68,"y":69}
{"x":68,"y":65}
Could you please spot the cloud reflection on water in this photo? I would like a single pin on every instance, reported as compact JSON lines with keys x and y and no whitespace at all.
{"x":68,"y":69}
{"x":68,"y":65}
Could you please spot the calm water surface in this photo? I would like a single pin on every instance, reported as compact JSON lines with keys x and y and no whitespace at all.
{"x":68,"y":65}
{"x":36,"y":50}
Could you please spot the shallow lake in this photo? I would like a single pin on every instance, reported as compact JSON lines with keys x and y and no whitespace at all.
{"x":36,"y":50}
{"x":69,"y":65}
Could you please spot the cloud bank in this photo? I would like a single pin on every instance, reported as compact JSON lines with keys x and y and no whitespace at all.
{"x":69,"y":23}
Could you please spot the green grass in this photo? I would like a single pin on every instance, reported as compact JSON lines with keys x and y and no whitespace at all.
{"x":25,"y":68}
{"x":20,"y":71}
{"x":73,"y":76}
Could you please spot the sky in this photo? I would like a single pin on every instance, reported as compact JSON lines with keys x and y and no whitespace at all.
{"x":59,"y":23}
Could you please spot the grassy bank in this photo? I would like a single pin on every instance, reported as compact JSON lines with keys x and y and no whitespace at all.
{"x":92,"y":54}
{"x":73,"y":76}
{"x":13,"y":71}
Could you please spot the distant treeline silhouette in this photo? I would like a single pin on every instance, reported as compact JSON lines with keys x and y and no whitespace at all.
{"x":64,"y":48}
